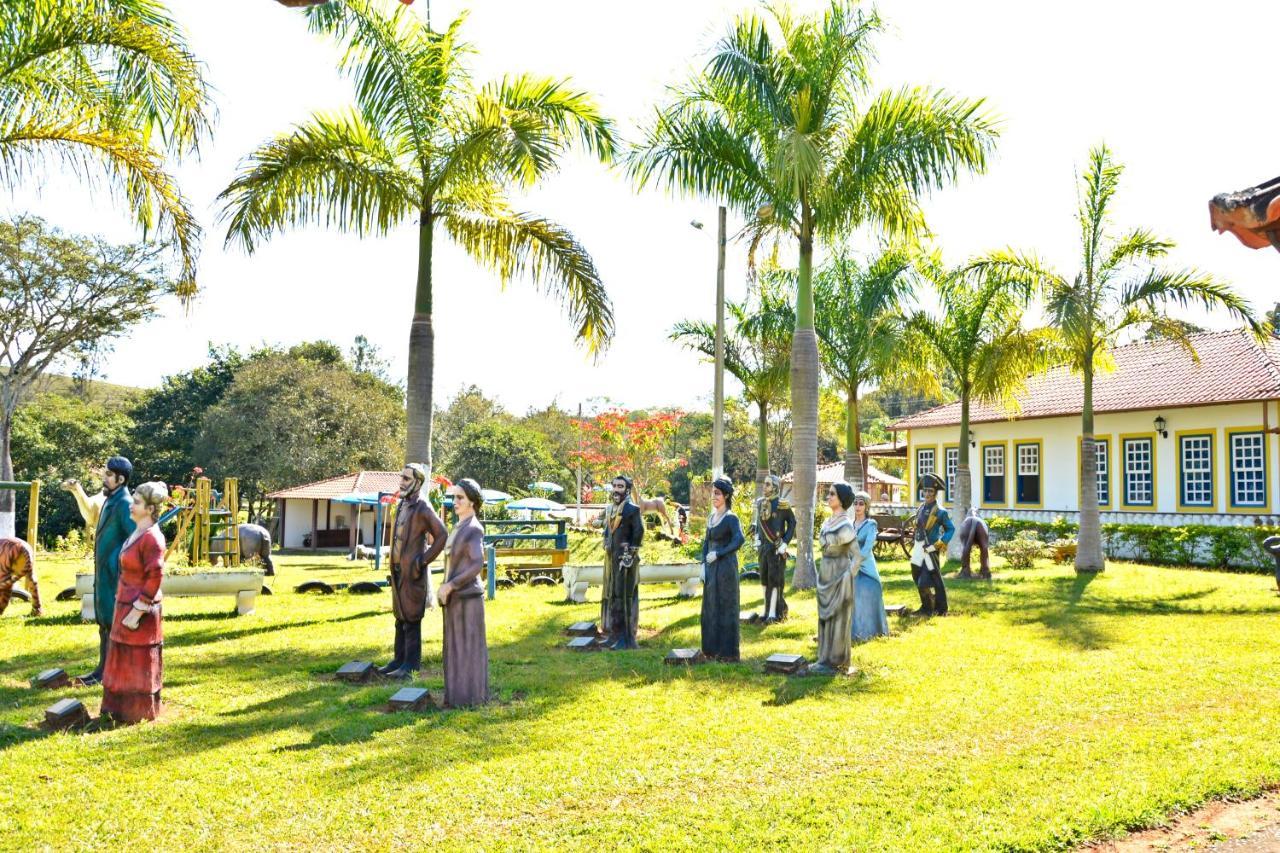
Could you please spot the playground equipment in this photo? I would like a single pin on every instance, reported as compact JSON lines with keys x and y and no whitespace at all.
{"x":33,"y":505}
{"x":213,"y":520}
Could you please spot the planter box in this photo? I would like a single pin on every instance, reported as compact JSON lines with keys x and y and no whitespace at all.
{"x":243,"y":584}
{"x":688,"y":575}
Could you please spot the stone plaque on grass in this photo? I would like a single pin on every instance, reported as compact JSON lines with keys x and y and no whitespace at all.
{"x":51,"y":678}
{"x":582,"y":629}
{"x":583,"y":644}
{"x":677,"y":657}
{"x":785,"y":664}
{"x":895,"y":609}
{"x":66,"y":714}
{"x":411,"y":699}
{"x":358,"y":671}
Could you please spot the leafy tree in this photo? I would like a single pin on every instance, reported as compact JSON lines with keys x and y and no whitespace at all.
{"x":104,"y":88}
{"x":423,"y":143}
{"x":777,"y":127}
{"x":633,"y":443}
{"x":756,"y":345}
{"x":861,"y":324}
{"x":366,"y":357}
{"x":1119,"y":288}
{"x":58,"y":437}
{"x":168,"y":420}
{"x":61,"y":296}
{"x":503,"y":455}
{"x":286,"y":420}
{"x":977,"y":340}
{"x":468,"y":406}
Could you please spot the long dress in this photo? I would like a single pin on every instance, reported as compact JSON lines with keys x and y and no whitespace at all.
{"x":720,"y":597}
{"x":869,"y":619}
{"x":835,"y":593}
{"x":466,"y":651}
{"x":134,"y":672}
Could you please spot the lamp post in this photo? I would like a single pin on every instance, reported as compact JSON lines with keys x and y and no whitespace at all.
{"x":717,"y":418}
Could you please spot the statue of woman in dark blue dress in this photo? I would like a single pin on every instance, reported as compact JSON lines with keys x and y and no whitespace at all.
{"x":720,"y":576}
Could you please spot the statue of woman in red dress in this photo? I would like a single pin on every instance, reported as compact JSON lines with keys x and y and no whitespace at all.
{"x":133,"y":674}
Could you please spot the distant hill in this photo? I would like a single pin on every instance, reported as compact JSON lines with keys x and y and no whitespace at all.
{"x":94,"y":390}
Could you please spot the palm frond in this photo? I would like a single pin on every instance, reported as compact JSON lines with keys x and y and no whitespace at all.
{"x":1186,"y":288}
{"x":521,"y":245}
{"x":333,"y":171}
{"x":133,"y":170}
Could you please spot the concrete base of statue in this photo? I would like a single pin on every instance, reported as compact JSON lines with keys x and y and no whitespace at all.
{"x":243,"y":584}
{"x":577,"y":579}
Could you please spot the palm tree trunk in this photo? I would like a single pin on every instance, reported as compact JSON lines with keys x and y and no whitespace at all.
{"x":762,"y":449}
{"x":8,"y":522}
{"x":1089,"y":556}
{"x":422,"y":343}
{"x":854,"y":474}
{"x":963,"y":497}
{"x":804,"y":411}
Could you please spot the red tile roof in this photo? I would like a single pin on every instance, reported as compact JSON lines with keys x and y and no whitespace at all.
{"x":1234,"y":367}
{"x":343,"y":484}
{"x":834,"y":473}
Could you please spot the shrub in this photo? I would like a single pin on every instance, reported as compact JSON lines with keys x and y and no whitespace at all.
{"x":1063,"y":550}
{"x":1022,"y":551}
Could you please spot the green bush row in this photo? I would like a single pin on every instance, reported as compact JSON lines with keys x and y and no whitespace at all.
{"x":1232,"y":548}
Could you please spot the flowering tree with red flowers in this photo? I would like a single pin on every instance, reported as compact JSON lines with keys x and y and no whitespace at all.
{"x":621,"y":441}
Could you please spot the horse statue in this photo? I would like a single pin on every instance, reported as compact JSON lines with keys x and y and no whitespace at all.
{"x":658,"y":506}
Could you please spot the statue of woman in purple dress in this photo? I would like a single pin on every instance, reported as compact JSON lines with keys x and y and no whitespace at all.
{"x":466,"y":650}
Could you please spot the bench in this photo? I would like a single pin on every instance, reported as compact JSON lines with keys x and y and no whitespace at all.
{"x":688,"y":575}
{"x":243,"y":584}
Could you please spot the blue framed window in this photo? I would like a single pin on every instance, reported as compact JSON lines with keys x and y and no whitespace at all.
{"x":1027,"y":477}
{"x":1195,"y":466}
{"x":1139,"y":471}
{"x":993,"y":490}
{"x":953,"y":464}
{"x":1102,"y":467}
{"x":926,"y":463}
{"x":1248,"y":457}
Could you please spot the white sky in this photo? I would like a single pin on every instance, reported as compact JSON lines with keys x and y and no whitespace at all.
{"x":1179,"y":90}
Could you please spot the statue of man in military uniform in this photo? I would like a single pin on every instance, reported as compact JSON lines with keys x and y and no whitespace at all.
{"x":934,"y":530}
{"x":775,"y":527}
{"x":419,"y":539}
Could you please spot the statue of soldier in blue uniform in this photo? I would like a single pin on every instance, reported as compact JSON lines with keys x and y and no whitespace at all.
{"x":934,"y":530}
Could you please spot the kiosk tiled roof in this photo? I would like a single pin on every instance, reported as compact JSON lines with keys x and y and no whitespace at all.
{"x":343,"y":484}
{"x":1233,"y":367}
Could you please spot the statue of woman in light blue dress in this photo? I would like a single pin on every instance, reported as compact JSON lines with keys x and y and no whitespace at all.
{"x":869,"y":618}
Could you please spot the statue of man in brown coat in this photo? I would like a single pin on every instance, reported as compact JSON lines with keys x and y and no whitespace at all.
{"x":419,"y":539}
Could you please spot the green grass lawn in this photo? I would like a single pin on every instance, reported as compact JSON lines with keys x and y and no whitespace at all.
{"x":1047,"y":710}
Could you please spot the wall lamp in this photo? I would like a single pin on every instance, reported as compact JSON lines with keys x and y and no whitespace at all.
{"x":1160,"y":425}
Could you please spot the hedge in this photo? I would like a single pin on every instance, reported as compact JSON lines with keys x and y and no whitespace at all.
{"x":1231,"y":548}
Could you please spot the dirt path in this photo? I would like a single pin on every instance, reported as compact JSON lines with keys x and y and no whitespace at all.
{"x":1248,"y":826}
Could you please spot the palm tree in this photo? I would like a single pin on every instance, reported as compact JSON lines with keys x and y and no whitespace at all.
{"x":756,"y":345}
{"x":862,"y":332}
{"x":776,"y":126}
{"x":977,"y":342}
{"x":1118,"y":289}
{"x":105,"y":88}
{"x":422,"y":142}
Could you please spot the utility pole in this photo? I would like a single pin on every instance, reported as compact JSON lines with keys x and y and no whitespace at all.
{"x":717,"y":425}
{"x":577,"y":514}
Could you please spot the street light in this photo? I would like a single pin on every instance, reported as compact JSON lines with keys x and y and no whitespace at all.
{"x":717,"y":422}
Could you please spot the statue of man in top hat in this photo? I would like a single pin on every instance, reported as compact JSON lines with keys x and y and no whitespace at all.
{"x":775,"y":527}
{"x":114,"y":527}
{"x":934,"y":530}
